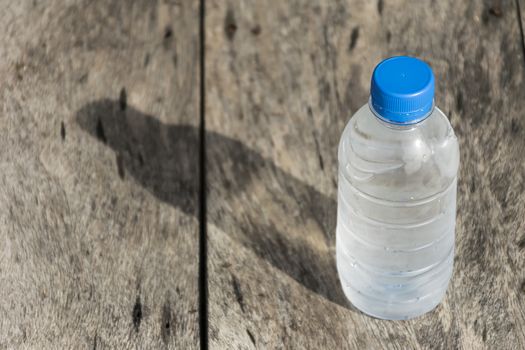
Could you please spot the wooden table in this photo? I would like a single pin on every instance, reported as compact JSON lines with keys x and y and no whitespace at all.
{"x":168,"y":171}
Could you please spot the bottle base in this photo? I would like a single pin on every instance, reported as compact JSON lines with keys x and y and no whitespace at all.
{"x":393,"y":311}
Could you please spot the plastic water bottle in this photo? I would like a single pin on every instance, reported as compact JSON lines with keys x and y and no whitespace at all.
{"x":398,"y":163}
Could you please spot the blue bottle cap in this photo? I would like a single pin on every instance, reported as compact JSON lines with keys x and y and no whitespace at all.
{"x":402,"y":90}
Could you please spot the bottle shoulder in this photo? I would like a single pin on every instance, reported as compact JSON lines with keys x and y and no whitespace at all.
{"x":406,"y":162}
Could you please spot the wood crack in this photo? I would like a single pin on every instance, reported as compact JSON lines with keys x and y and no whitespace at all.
{"x":520,"y":24}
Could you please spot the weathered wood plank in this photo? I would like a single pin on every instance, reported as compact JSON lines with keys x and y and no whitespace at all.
{"x":98,"y":179}
{"x":281,"y":82}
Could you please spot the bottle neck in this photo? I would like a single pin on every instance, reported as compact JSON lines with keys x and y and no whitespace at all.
{"x":397,"y":126}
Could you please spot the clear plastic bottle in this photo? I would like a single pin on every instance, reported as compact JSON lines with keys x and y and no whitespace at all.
{"x":398,"y":163}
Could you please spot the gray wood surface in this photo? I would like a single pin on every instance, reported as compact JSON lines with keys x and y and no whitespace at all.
{"x":282,"y":79}
{"x":99,"y":170}
{"x":98,"y":186}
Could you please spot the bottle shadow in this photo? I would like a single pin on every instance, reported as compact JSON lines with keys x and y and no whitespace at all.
{"x":164,"y":159}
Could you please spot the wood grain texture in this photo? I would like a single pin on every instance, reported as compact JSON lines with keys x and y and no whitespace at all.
{"x":99,"y":174}
{"x":282,"y":79}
